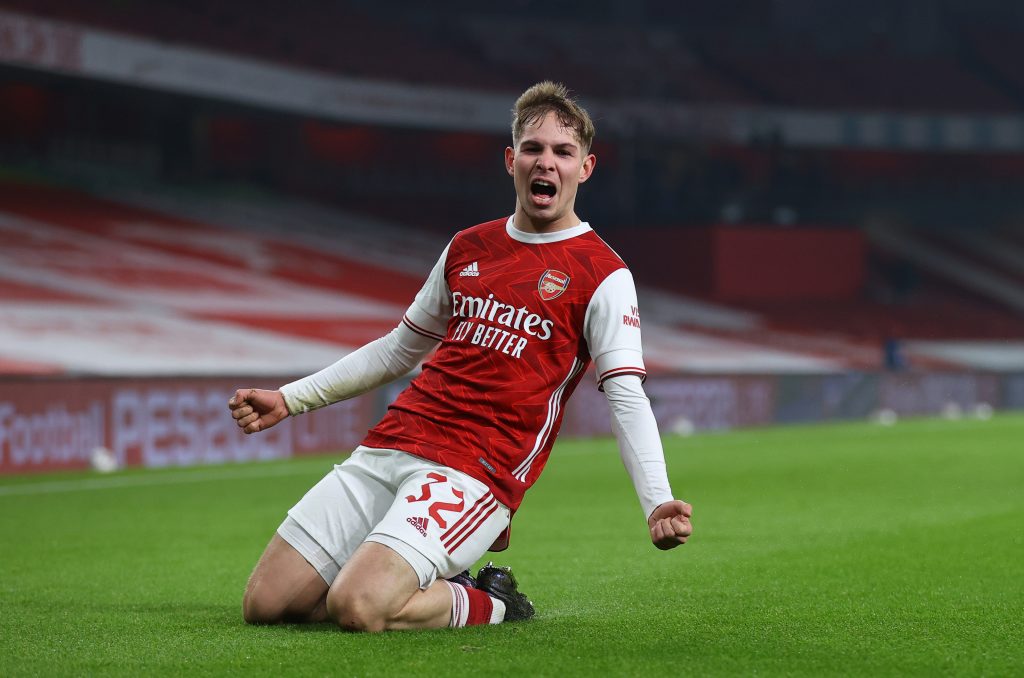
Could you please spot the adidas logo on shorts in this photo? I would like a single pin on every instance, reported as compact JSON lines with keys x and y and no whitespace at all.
{"x":420,"y":524}
{"x":470,"y":271}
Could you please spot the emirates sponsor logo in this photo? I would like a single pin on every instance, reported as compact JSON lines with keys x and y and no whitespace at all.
{"x":506,"y":315}
{"x":552,"y":284}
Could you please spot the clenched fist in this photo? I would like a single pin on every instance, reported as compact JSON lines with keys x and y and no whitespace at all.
{"x":670,"y":524}
{"x":256,"y":409}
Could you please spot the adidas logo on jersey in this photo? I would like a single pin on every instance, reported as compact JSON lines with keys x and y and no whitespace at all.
{"x":420,"y":524}
{"x":470,"y":271}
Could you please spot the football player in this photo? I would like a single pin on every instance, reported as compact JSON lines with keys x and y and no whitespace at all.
{"x":515,"y":310}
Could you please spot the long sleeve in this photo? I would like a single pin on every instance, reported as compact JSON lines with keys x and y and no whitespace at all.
{"x":384,"y":360}
{"x":377,"y":363}
{"x":613,"y":337}
{"x":640,"y":447}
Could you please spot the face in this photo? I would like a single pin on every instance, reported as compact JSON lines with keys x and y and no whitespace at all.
{"x":547,"y":166}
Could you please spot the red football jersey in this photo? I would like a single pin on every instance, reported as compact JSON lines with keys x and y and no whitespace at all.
{"x":519,"y":317}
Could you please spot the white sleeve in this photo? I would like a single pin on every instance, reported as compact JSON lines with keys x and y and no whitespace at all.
{"x":431,"y":310}
{"x":612,"y":328}
{"x":384,"y":360}
{"x":636,"y":431}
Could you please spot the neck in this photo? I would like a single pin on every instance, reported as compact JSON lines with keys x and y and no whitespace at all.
{"x":522,"y":221}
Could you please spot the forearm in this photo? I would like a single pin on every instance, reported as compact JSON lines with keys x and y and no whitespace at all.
{"x":377,"y":363}
{"x":640,"y":447}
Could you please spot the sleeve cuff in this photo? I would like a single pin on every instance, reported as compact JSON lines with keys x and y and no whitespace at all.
{"x":636,"y":371}
{"x":420,"y":329}
{"x":618,"y":363}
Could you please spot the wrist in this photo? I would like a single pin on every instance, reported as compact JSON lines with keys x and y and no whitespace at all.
{"x":292,"y":405}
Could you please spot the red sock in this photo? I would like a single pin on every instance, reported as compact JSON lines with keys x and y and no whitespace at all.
{"x":480,"y":608}
{"x":470,"y":606}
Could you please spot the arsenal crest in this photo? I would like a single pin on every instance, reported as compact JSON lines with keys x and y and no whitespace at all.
{"x":552,"y":284}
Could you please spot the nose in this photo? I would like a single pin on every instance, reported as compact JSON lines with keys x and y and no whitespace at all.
{"x":546,"y":160}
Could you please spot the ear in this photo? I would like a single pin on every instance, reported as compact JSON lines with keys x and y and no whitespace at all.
{"x":587,"y":168}
{"x":510,"y":156}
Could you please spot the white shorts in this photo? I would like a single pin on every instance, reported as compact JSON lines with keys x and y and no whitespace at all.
{"x":438,"y":519}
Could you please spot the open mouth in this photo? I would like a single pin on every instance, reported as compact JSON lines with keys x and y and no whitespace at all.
{"x":542,"y":191}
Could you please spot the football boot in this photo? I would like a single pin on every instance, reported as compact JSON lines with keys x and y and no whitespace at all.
{"x":500,"y":583}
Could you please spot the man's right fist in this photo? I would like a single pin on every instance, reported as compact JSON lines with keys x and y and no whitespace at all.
{"x":256,"y":409}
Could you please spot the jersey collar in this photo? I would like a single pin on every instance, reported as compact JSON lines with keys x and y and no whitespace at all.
{"x":537,"y":238}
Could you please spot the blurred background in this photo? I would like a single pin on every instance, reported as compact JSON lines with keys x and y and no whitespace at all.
{"x":821,"y":205}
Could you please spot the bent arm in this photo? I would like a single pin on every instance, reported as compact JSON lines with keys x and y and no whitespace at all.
{"x":375,"y":364}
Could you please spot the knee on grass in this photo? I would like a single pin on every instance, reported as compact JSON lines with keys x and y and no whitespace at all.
{"x":355,"y":611}
{"x":258,"y":611}
{"x":262,"y":606}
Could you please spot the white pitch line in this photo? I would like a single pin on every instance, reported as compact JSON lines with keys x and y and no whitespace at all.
{"x":85,"y":484}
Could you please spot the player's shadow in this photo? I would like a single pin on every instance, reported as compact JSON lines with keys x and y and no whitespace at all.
{"x":208,"y":614}
{"x":334,"y":629}
{"x":318,"y":627}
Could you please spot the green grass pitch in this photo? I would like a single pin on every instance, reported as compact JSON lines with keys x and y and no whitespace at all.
{"x":845,"y":549}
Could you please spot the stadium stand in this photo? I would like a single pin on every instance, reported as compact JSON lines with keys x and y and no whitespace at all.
{"x":721,"y":55}
{"x":306,"y":35}
{"x":209,"y":273}
{"x":864,"y":253}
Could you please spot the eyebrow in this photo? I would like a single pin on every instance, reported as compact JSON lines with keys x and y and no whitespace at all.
{"x":565,"y":145}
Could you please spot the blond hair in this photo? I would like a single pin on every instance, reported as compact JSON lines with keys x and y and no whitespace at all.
{"x":552,"y":97}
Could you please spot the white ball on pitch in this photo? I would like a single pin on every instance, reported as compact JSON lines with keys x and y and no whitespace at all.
{"x":103,"y":461}
{"x":885,"y":417}
{"x":682,"y":427}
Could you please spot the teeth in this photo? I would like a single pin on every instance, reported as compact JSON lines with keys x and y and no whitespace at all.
{"x":541,"y":182}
